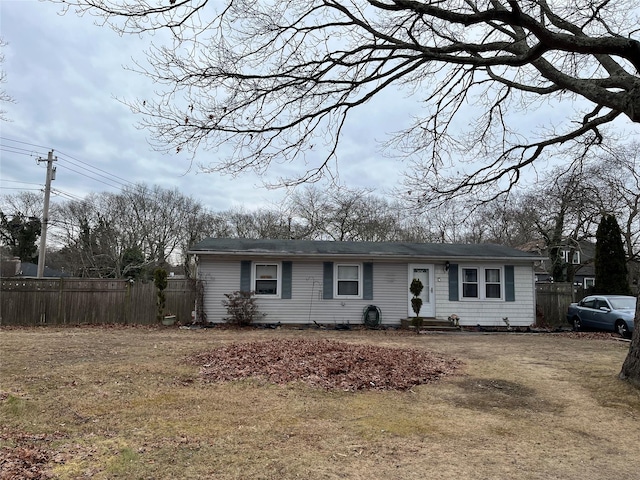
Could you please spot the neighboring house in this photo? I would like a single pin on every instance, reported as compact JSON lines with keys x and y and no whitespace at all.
{"x":15,"y":268}
{"x":303,"y":281}
{"x":580,"y":257}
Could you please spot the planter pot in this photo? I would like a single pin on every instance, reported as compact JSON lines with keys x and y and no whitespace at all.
{"x":169,"y":320}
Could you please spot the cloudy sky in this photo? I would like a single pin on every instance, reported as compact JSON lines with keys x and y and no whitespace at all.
{"x":66,"y":75}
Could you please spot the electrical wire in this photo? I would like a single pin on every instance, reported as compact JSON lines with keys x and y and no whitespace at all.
{"x":86,"y":170}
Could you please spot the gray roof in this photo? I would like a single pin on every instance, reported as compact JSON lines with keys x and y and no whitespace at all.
{"x":319,"y":248}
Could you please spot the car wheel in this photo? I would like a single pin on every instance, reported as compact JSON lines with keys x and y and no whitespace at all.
{"x":621,"y":328}
{"x":577,"y":325}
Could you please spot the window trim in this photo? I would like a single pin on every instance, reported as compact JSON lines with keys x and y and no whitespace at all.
{"x":482,"y":283}
{"x":336,"y":269}
{"x":575,"y":258}
{"x":254,"y":279}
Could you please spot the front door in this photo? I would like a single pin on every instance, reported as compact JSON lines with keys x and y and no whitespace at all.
{"x":424,"y":273}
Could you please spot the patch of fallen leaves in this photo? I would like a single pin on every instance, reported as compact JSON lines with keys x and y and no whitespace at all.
{"x":326,"y":364}
{"x":23,"y":463}
{"x":592,"y":335}
{"x":27,"y":459}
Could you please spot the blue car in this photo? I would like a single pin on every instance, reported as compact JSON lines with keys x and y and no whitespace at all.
{"x":614,"y":313}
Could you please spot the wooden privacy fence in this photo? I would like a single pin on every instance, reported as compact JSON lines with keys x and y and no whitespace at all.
{"x":76,"y":301}
{"x":552,"y":300}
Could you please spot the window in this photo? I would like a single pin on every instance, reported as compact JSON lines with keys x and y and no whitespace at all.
{"x":589,"y":282}
{"x":482,"y":283}
{"x":470,"y":283}
{"x":348,"y":280}
{"x":575,"y":258}
{"x":588,"y":302}
{"x":266,"y":278}
{"x":492,"y":283}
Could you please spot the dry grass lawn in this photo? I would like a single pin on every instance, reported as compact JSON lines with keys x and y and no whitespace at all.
{"x":123,"y":403}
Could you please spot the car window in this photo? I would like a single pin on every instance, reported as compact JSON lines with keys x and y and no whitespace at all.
{"x":588,"y":302}
{"x":601,"y":303}
{"x":622,"y":303}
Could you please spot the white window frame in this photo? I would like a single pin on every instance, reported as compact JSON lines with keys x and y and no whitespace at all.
{"x":482,"y":283}
{"x":336,"y":280}
{"x":278,"y":279}
{"x":588,"y":282}
{"x":575,"y":259}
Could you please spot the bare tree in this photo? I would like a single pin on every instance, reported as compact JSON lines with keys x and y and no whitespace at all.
{"x":507,"y":221}
{"x":278,"y":80}
{"x":343,"y":214}
{"x":619,"y":174}
{"x":111,"y":235}
{"x":26,"y":203}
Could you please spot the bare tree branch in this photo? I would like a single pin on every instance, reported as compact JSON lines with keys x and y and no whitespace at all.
{"x":279,"y":81}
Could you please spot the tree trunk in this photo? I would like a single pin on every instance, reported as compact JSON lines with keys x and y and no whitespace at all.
{"x":631,"y":366}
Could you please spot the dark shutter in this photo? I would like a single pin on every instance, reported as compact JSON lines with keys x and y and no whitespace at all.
{"x":245,"y":276}
{"x":287,"y":268}
{"x":367,"y":281}
{"x":454,"y":296}
{"x":327,"y":281}
{"x":509,"y":284}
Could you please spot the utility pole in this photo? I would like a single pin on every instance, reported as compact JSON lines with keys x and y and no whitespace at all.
{"x":51,"y":175}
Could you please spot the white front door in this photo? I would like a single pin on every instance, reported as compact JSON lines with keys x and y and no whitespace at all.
{"x":424,"y":273}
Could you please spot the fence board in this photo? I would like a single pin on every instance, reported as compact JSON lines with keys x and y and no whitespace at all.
{"x":66,"y":301}
{"x":553,"y":299}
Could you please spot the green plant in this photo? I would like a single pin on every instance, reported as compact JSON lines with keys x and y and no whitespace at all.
{"x":160,"y":281}
{"x":241,"y":308}
{"x":416,"y":302}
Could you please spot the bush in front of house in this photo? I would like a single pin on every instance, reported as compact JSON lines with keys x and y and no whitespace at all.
{"x":416,"y":302}
{"x":241,"y":307}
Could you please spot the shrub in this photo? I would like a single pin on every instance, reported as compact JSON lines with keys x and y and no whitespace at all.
{"x":160,"y":281}
{"x":241,"y":308}
{"x":416,"y":303}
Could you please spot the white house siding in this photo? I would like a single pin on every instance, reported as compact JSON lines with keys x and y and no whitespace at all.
{"x":390,"y":295}
{"x":521,"y":312}
{"x":306,"y":304}
{"x":218,"y":277}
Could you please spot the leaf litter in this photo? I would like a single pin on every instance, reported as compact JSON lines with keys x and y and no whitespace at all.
{"x":326,"y":364}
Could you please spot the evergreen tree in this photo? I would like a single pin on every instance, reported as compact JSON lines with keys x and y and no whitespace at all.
{"x":20,"y":234}
{"x":611,"y":266}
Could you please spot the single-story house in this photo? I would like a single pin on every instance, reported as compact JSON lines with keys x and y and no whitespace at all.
{"x":327,"y":282}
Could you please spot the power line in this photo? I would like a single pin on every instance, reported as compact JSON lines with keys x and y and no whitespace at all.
{"x":91,"y":171}
{"x":23,"y":143}
{"x":86,"y":170}
{"x":90,"y":177}
{"x":17,"y":181}
{"x":94,"y":168}
{"x":62,"y":193}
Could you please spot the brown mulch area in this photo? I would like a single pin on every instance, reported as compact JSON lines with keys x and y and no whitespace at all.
{"x":326,"y":364}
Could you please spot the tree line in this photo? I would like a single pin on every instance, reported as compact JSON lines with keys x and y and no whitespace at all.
{"x":129,"y":233}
